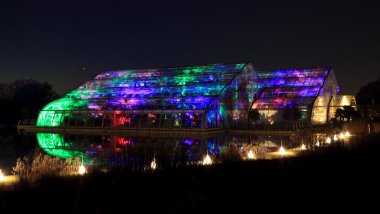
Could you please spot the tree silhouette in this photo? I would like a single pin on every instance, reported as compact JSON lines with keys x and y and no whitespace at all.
{"x":347,"y":113}
{"x":369,"y":94}
{"x":23,"y":99}
{"x":254,"y":115}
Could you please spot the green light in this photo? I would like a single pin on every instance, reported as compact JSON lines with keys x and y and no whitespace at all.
{"x":182,"y":88}
{"x":53,"y":145}
{"x":182,"y":80}
{"x":221,"y":110}
{"x":239,"y":66}
{"x":51,"y":115}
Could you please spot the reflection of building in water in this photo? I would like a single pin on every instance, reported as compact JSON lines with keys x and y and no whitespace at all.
{"x":195,"y":97}
{"x":138,"y":152}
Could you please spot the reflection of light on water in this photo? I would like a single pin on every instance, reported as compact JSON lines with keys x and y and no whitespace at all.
{"x":82,"y":169}
{"x":207,"y":160}
{"x":262,"y":147}
{"x":282,"y":151}
{"x":251,"y":155}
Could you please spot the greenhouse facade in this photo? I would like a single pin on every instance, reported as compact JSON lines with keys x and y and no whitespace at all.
{"x":296,"y":94}
{"x":195,"y":97}
{"x":213,"y":96}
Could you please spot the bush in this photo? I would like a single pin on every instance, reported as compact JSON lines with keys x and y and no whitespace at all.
{"x":231,"y":153}
{"x":32,"y":169}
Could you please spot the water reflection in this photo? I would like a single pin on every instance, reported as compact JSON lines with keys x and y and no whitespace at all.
{"x":139,"y":153}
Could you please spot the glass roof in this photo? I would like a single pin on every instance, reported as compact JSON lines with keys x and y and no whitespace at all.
{"x":171,"y":88}
{"x":294,"y":87}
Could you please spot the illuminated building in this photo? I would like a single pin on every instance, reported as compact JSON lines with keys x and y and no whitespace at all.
{"x":196,"y":97}
{"x":307,"y":92}
{"x":213,"y":96}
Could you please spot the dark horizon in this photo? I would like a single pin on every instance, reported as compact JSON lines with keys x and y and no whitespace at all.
{"x":68,"y":42}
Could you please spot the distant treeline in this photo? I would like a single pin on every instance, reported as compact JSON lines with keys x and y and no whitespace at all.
{"x":369,"y":94}
{"x":22,"y":99}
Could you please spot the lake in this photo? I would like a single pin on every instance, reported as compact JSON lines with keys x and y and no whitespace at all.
{"x":147,"y":152}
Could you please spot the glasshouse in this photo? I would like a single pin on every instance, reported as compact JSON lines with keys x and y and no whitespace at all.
{"x":295,"y":94}
{"x":213,"y":96}
{"x":196,"y":97}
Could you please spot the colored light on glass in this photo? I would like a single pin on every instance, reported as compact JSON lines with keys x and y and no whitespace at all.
{"x":292,"y":87}
{"x":186,"y":88}
{"x":53,"y":144}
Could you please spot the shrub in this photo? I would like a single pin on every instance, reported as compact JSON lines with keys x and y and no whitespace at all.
{"x":31,"y":169}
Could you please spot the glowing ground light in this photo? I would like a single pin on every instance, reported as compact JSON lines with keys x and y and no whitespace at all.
{"x":335,"y":138}
{"x":251,"y":155}
{"x":328,"y":140}
{"x":317,"y":144}
{"x":153,"y":164}
{"x":207,"y":160}
{"x":347,"y":134}
{"x":282,"y":151}
{"x":82,"y":170}
{"x":8,"y":179}
{"x":303,"y":147}
{"x":2,"y":177}
{"x":341,"y":136}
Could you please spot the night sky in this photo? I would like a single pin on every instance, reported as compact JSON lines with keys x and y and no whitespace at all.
{"x":68,"y":42}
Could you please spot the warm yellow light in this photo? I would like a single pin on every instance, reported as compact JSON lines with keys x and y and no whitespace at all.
{"x":347,"y":134}
{"x":345,"y":101}
{"x":207,"y":160}
{"x":2,"y":177}
{"x":303,"y":147}
{"x":153,"y":165}
{"x":82,"y":169}
{"x":328,"y":140}
{"x":320,"y":101}
{"x":8,"y":179}
{"x":335,"y":138}
{"x":251,"y":155}
{"x":341,"y":136}
{"x":282,"y":151}
{"x":317,"y":144}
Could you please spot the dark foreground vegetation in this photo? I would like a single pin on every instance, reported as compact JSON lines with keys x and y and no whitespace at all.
{"x":340,"y":180}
